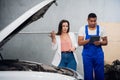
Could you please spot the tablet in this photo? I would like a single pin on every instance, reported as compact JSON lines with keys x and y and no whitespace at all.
{"x":94,"y":38}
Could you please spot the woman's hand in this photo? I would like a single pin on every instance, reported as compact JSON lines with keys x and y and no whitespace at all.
{"x":72,"y":49}
{"x":52,"y":35}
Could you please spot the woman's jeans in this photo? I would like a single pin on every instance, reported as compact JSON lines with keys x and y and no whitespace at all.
{"x":68,"y":60}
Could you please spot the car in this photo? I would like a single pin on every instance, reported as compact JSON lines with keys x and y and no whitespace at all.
{"x":15,"y":69}
{"x":22,"y":70}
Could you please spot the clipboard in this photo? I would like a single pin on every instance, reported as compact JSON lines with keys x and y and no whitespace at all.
{"x":94,"y":38}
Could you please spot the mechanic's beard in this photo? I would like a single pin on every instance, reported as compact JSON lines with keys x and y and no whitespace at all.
{"x":92,"y":26}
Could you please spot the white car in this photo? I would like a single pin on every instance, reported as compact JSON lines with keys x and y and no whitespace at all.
{"x":28,"y":70}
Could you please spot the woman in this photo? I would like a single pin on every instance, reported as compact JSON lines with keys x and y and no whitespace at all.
{"x":64,"y":42}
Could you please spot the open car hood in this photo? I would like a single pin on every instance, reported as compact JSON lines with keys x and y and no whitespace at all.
{"x":28,"y":17}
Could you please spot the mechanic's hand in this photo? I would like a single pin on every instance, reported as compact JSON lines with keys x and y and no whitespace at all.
{"x":97,"y":43}
{"x":87,"y":41}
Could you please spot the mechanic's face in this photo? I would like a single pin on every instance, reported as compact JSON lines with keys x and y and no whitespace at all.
{"x":64,"y":27}
{"x":92,"y":22}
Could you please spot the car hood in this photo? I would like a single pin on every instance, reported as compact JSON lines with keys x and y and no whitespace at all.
{"x":28,"y":17}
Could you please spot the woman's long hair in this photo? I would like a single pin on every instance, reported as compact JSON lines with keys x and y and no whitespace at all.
{"x":60,"y":26}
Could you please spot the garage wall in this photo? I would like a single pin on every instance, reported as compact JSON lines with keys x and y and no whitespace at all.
{"x":112,"y":50}
{"x":33,"y":42}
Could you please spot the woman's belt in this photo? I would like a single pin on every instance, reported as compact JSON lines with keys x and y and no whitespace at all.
{"x":67,"y":51}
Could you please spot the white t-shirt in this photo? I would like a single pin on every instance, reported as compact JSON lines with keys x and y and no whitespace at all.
{"x":102,"y":32}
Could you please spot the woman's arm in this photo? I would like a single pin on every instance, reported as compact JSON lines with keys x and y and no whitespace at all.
{"x":74,"y":42}
{"x":54,"y":44}
{"x":53,"y":37}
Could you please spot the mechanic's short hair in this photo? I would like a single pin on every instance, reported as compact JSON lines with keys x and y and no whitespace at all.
{"x":92,"y":15}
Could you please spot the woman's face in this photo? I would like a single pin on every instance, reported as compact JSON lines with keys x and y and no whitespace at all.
{"x":64,"y":27}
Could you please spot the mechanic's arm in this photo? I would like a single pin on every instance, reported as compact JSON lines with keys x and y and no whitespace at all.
{"x":81,"y":41}
{"x":103,"y":42}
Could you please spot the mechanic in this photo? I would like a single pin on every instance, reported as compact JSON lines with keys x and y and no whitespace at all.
{"x":92,"y":53}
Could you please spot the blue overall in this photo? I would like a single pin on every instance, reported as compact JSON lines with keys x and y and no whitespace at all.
{"x":93,"y":59}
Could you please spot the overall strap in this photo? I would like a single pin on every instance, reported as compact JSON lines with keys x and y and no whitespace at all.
{"x":97,"y":30}
{"x":86,"y":31}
